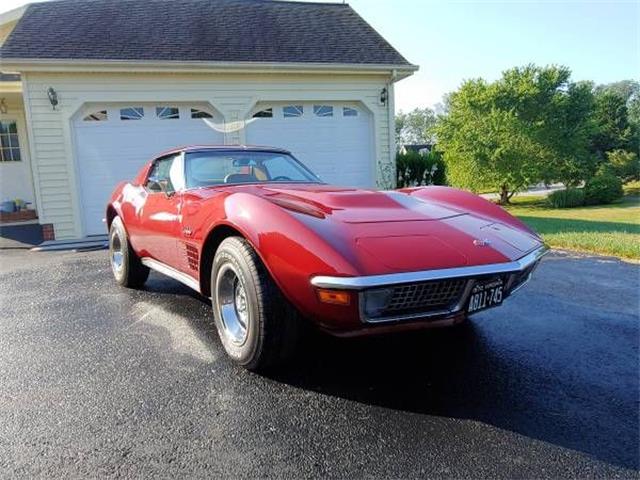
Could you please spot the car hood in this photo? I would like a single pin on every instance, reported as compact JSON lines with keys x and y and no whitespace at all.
{"x":390,"y":231}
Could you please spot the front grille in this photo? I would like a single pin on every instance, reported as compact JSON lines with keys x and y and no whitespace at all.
{"x":425,"y":296}
{"x":413,"y":299}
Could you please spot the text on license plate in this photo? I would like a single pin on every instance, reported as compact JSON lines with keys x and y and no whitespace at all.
{"x":486,"y":295}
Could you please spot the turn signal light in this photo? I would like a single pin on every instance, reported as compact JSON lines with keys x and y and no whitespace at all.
{"x":336,"y":297}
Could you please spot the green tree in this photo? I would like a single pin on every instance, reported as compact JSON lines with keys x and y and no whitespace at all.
{"x":532,"y":124}
{"x":415,"y":127}
{"x":625,"y":165}
{"x":613,"y":130}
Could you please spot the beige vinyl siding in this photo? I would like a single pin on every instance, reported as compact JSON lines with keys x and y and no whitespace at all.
{"x":233,"y":95}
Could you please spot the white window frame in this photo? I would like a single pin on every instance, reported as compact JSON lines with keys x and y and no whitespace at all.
{"x":162,"y":109}
{"x":265,"y":110}
{"x":10,"y":148}
{"x":323,"y":111}
{"x":195,"y":110}
{"x":356,"y":112}
{"x":297,"y":112}
{"x":88,"y":116}
{"x":141,"y":117}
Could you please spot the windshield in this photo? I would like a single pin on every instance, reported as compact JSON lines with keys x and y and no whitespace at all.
{"x":208,"y":168}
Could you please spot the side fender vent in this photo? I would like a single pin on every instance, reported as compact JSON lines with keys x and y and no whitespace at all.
{"x":192,"y":256}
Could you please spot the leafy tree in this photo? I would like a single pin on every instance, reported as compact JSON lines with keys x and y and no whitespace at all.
{"x":566,"y":131}
{"x":415,"y":127}
{"x":625,"y":165}
{"x":530,"y":125}
{"x":613,"y":131}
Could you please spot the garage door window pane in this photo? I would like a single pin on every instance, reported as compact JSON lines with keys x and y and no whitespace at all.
{"x":195,"y":113}
{"x":9,"y":143}
{"x":323,"y":110}
{"x":167,"y":113}
{"x":131,"y":113}
{"x":99,"y":116}
{"x":349,"y":112}
{"x":292,"y":111}
{"x":266,"y":113}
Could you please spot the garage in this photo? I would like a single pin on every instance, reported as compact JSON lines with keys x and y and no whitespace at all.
{"x":95,"y":111}
{"x":333,"y":139}
{"x":113,"y":141}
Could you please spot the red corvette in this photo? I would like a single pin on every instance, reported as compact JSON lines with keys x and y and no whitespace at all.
{"x":270,"y":244}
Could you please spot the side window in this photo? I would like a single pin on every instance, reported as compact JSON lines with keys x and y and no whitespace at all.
{"x":162,"y":171}
{"x":9,"y":145}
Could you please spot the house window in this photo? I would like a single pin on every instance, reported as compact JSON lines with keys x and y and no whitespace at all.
{"x":167,"y":113}
{"x":292,"y":111}
{"x":196,"y":113}
{"x":323,"y":110}
{"x":99,"y":116}
{"x":266,"y":113}
{"x":9,"y":145}
{"x":131,"y":113}
{"x":349,"y":112}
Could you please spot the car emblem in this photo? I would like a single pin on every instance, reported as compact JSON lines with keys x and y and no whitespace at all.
{"x":481,"y":242}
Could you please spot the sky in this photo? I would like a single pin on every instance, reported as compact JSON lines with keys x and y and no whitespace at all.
{"x":451,"y":41}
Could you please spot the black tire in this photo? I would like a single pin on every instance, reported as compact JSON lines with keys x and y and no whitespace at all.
{"x":126,"y":266}
{"x":272,"y":325}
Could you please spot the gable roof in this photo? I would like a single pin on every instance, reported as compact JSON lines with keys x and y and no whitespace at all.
{"x":263,"y":31}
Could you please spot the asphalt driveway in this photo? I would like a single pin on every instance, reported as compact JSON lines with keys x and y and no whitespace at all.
{"x":96,"y":380}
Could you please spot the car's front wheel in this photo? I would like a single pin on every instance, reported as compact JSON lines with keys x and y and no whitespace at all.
{"x":257,"y":326}
{"x":127,"y":268}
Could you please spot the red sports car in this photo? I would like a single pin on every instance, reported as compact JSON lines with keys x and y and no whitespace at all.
{"x":271,"y":244}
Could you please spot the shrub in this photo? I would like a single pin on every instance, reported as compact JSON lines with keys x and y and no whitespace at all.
{"x":569,"y":198}
{"x":604,"y":187}
{"x":624,"y":165}
{"x":414,"y":169}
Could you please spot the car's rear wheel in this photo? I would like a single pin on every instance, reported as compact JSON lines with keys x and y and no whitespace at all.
{"x":257,"y":326}
{"x":127,"y":268}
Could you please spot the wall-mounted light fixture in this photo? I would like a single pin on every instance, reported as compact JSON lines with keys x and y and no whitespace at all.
{"x":384,"y":96}
{"x":53,"y":97}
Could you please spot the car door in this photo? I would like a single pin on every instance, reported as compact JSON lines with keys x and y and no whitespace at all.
{"x":159,"y":222}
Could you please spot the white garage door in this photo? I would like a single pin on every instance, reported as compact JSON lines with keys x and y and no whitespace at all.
{"x":114,"y":141}
{"x":333,"y":139}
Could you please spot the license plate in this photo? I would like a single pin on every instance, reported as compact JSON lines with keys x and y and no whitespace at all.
{"x":485,"y":295}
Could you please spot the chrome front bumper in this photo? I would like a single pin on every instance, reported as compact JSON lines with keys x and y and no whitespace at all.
{"x":469,"y":275}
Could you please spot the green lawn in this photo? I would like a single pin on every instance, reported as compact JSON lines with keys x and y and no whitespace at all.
{"x":607,"y":229}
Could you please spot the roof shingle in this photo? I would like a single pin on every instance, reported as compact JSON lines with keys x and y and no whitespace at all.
{"x":198,"y":30}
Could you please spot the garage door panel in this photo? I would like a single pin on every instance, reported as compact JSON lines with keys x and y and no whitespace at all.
{"x":108,"y":152}
{"x":338,"y":149}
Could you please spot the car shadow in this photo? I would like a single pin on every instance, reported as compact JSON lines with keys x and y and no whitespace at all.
{"x":456,"y":373}
{"x":461,"y":372}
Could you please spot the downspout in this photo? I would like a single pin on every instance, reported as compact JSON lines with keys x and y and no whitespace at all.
{"x":392,"y":125}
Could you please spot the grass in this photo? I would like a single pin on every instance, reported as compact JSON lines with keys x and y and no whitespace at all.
{"x":606,"y":229}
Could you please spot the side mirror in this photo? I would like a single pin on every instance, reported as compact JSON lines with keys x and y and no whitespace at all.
{"x":156,"y":184}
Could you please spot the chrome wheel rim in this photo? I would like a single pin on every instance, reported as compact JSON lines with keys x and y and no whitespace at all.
{"x":233,"y":305}
{"x":117,"y":253}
